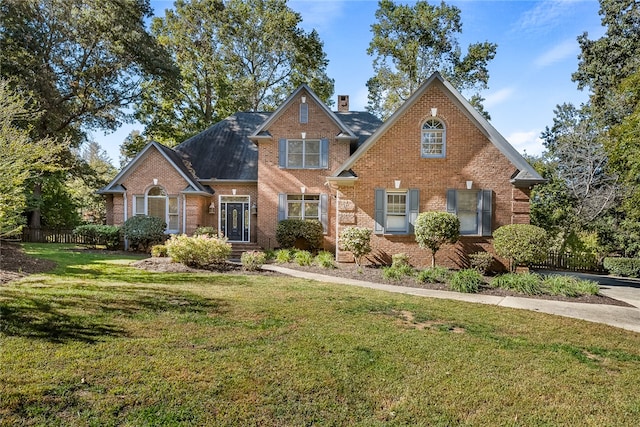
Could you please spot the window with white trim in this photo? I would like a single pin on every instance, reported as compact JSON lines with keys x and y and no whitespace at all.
{"x":304,"y":207}
{"x":433,"y":139}
{"x":474,"y":210}
{"x":156,"y":203}
{"x":396,"y":210}
{"x":304,"y":153}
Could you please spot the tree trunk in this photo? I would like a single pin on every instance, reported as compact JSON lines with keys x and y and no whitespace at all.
{"x":36,"y":216}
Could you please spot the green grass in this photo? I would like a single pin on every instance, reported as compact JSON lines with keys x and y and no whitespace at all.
{"x":96,"y":342}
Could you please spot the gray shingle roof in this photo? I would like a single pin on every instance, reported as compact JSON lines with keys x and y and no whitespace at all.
{"x":361,"y":123}
{"x":223,"y":151}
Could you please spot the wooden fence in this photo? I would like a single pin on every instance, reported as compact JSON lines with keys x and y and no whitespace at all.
{"x":51,"y":235}
{"x":570,"y":261}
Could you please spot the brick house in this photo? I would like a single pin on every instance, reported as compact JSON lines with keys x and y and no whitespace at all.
{"x":245,"y":173}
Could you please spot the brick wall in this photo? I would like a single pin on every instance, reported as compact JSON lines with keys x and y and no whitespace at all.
{"x":273,"y":180}
{"x":470,"y":156}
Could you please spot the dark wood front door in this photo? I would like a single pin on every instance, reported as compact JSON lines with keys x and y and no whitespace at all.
{"x":235,"y":221}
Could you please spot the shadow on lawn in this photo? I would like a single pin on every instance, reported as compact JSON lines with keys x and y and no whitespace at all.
{"x":87,"y":314}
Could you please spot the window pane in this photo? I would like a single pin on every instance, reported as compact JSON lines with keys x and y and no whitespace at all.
{"x":173,"y":222}
{"x":312,"y":154}
{"x":156,"y":191}
{"x":139,"y":202}
{"x":173,"y":205}
{"x":294,"y":210}
{"x":468,"y":211}
{"x":396,"y":222}
{"x":311,"y":210}
{"x":433,"y":138}
{"x":396,"y":203}
{"x":294,"y":154}
{"x":157,"y":207}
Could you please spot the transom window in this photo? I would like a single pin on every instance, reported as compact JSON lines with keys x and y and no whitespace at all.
{"x":433,"y":139}
{"x":303,"y":206}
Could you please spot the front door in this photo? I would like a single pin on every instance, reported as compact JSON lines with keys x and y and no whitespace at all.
{"x":235,"y":222}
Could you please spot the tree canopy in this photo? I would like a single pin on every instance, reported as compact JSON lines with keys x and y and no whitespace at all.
{"x":234,"y":55}
{"x":412,"y":42}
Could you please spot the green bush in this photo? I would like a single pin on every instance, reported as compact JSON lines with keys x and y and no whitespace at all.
{"x":284,"y":256}
{"x":467,"y":281}
{"x":398,"y":260}
{"x":521,"y":243}
{"x":198,"y":251}
{"x":142,"y":232}
{"x":481,"y":261}
{"x":356,"y":240}
{"x":303,"y":258}
{"x":626,"y":267}
{"x":397,"y":272}
{"x":301,"y":234}
{"x":526,"y":283}
{"x":434,"y":275}
{"x":434,"y":229}
{"x":95,"y":234}
{"x":253,"y":260}
{"x":159,"y":251}
{"x":325,"y":259}
{"x":206,"y":231}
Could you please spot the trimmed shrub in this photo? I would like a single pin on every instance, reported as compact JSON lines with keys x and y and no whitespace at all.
{"x":198,"y":251}
{"x":206,"y":231}
{"x":521,"y":243}
{"x":303,"y":258}
{"x":626,"y":267}
{"x":525,"y":283}
{"x":467,"y":281}
{"x":356,"y":240}
{"x":399,"y":260}
{"x":434,"y":229}
{"x":283,"y":256}
{"x":325,"y":259}
{"x":481,"y":261}
{"x":434,"y":275}
{"x":253,"y":260}
{"x":144,"y":231}
{"x":95,"y":234}
{"x":301,"y":234}
{"x":159,"y":251}
{"x":397,"y":272}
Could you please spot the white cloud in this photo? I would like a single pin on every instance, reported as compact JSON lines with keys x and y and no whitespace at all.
{"x":318,"y":15}
{"x":545,"y":15}
{"x":564,"y":50}
{"x":527,"y":142}
{"x":495,"y":98}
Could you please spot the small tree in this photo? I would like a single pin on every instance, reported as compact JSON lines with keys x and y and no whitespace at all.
{"x":434,"y":229}
{"x":144,"y":231}
{"x":521,"y":243}
{"x":356,"y":240}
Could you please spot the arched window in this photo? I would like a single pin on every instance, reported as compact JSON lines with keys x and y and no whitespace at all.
{"x":433,"y":139}
{"x":157,"y":203}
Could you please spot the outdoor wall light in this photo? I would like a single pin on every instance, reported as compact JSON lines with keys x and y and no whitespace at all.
{"x":254,"y":209}
{"x":397,"y":183}
{"x":434,"y":112}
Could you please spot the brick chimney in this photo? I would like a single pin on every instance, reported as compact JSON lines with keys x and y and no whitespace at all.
{"x":343,"y":103}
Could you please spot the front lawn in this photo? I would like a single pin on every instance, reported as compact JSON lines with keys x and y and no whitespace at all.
{"x":96,"y":342}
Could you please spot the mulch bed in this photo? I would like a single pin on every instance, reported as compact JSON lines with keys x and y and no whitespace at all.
{"x":14,"y":264}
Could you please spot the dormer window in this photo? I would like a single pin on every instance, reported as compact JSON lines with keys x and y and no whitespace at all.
{"x":433,"y":139}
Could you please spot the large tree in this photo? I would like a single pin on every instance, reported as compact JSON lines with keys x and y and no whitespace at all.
{"x":234,"y":55}
{"x":606,"y":62}
{"x":82,"y":61}
{"x":21,"y":157}
{"x":410,"y":43}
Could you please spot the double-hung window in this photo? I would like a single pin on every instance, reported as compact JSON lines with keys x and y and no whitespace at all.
{"x":304,"y":207}
{"x":474,"y":210}
{"x":433,"y":139}
{"x":396,"y":210}
{"x":304,"y":153}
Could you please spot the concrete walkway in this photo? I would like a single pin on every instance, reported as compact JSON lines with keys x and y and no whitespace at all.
{"x":627,"y":290}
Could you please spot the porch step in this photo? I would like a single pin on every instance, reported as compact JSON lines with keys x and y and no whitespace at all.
{"x":237,"y":248}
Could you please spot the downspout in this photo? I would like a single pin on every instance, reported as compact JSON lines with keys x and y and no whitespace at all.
{"x":337,"y":225}
{"x":184,"y":213}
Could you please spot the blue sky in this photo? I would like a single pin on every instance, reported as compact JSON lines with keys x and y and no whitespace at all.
{"x":530,"y":75}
